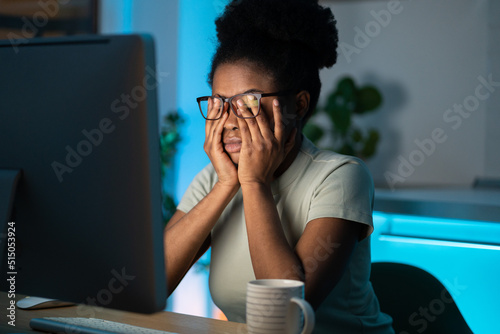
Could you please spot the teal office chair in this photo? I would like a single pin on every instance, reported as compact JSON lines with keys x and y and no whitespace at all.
{"x":417,"y":301}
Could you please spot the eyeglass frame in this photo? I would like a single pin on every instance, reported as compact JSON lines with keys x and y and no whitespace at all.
{"x":229,"y":100}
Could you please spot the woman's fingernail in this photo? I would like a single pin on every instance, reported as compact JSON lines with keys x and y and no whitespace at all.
{"x":276,"y":102}
{"x":240,"y":103}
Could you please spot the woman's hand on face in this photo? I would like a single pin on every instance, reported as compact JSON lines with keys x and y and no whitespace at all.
{"x":263,"y":150}
{"x":224,"y":167}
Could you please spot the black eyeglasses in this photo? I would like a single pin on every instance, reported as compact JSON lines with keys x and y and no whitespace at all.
{"x":251,"y":103}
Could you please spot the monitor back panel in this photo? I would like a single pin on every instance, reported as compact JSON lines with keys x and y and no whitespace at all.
{"x":78,"y":117}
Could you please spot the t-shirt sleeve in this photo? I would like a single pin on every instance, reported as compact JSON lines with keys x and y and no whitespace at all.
{"x":347,"y":193}
{"x":201,"y":185}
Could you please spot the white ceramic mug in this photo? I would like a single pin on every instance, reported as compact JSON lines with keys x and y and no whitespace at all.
{"x":278,"y":306}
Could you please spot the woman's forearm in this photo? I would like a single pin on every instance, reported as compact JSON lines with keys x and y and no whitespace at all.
{"x":186,"y":234}
{"x":271,"y":255}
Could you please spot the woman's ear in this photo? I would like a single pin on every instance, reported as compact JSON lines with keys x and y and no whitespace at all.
{"x":302,"y":103}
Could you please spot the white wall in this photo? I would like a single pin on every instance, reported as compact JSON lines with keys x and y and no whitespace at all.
{"x":492,"y":152}
{"x":158,"y":18}
{"x":425,"y":58}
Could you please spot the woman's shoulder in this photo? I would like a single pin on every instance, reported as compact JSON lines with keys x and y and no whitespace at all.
{"x":207,"y":176}
{"x":323,"y":168}
{"x":204,"y":181}
{"x":329,"y":161}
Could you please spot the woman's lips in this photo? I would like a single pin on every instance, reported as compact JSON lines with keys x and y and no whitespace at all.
{"x":232,"y":145}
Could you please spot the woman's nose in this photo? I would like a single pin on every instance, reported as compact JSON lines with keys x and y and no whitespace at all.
{"x":232,"y":120}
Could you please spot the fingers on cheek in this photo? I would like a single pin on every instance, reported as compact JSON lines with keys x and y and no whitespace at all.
{"x":276,"y":107}
{"x":239,"y":107}
{"x":243,"y":126}
{"x":277,"y":112}
{"x":242,"y":112}
{"x":245,"y":110}
{"x":263,"y":119}
{"x":251,"y":121}
{"x":209,"y":130}
{"x":239,"y":111}
{"x":219,"y":124}
{"x":221,"y":121}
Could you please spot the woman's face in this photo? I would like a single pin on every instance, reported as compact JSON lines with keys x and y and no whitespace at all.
{"x":236,"y":78}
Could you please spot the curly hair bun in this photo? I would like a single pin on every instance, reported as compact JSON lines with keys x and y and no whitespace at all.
{"x":297,"y":22}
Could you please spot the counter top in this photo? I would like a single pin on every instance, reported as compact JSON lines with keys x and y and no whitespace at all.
{"x":454,"y":203}
{"x":166,"y":321}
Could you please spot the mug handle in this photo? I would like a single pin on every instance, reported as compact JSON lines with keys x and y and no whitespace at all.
{"x":308,"y":312}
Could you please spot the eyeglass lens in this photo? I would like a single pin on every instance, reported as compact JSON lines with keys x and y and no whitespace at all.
{"x":250,"y":106}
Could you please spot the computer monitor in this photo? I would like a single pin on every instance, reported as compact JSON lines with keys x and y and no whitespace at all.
{"x":79,"y":133}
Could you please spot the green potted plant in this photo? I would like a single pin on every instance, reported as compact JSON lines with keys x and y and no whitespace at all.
{"x":343,"y":104}
{"x":169,"y":139}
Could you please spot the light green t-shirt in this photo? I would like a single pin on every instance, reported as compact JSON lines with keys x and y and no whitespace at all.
{"x":318,"y":184}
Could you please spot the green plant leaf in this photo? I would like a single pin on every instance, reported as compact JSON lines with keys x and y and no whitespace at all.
{"x":169,"y":139}
{"x":169,"y":207}
{"x":341,"y":119}
{"x":341,"y":106}
{"x":347,"y":88}
{"x":346,"y":149}
{"x":368,"y":98}
{"x":370,"y":144}
{"x":356,"y":136}
{"x":313,"y":132}
{"x":331,"y":104}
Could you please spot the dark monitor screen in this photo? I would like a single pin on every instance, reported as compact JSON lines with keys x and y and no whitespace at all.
{"x":79,"y":126}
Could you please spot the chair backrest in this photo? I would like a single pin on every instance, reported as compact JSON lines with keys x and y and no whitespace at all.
{"x":417,"y":301}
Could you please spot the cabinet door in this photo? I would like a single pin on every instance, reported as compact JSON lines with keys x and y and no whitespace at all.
{"x":463,"y":255}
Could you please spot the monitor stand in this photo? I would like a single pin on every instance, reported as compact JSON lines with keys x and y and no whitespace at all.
{"x":8,"y":185}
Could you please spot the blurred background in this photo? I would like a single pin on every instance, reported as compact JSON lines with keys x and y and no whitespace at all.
{"x":434,"y":65}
